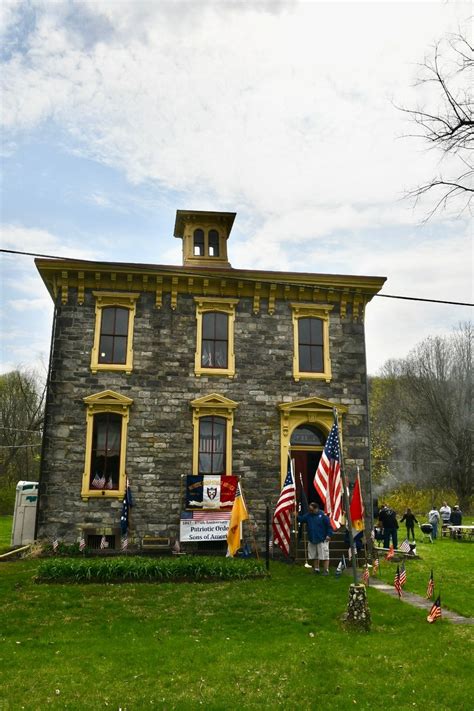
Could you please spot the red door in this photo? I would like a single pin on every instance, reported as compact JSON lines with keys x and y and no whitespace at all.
{"x":306,"y":464}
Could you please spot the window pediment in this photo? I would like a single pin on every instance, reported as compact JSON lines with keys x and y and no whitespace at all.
{"x":312,"y":404}
{"x":213,"y":402}
{"x":108,"y":397}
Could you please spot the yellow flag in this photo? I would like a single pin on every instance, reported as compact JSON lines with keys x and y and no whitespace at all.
{"x":239,"y":514}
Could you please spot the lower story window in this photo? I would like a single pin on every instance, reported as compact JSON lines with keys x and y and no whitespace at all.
{"x":213,"y":418}
{"x":212,"y":445}
{"x":106,"y":444}
{"x":105,"y":455}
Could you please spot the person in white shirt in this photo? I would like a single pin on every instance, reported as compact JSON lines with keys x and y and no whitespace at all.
{"x":445,"y":512}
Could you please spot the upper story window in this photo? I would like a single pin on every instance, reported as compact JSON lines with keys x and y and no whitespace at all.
{"x":206,"y":244}
{"x":213,"y":238}
{"x":215,"y":336}
{"x":310,"y":345}
{"x":198,"y":243}
{"x":106,"y":444}
{"x":311,"y":357}
{"x":215,"y":339}
{"x":113,"y":336}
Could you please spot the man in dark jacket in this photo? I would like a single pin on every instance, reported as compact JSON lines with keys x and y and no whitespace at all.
{"x":389,"y":523}
{"x":319,"y":534}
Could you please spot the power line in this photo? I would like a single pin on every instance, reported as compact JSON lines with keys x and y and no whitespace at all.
{"x":240,"y":278}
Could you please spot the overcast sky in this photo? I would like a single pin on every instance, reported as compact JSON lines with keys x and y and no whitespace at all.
{"x":116,"y":114}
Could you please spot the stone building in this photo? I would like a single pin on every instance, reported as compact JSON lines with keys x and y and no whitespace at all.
{"x":159,"y":372}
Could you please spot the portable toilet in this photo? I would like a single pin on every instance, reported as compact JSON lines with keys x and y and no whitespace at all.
{"x":24,"y":515}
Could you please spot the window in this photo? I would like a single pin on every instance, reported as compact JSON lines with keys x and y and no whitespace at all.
{"x":198,"y":243}
{"x":213,"y":418}
{"x":215,"y":336}
{"x":106,"y":441}
{"x":310,"y":345}
{"x":212,"y":441}
{"x":213,"y":238}
{"x":311,"y":357}
{"x":113,"y":337}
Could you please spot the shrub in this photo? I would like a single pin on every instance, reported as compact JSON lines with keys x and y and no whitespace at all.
{"x":136,"y":569}
{"x":7,"y":499}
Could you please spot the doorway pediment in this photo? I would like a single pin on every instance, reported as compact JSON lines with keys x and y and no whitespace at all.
{"x":312,"y":404}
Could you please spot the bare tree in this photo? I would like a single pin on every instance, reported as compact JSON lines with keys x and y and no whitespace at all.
{"x":432,"y":443}
{"x":448,"y":125}
{"x":21,"y":423}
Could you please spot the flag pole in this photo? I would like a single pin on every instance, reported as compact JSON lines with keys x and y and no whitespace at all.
{"x":364,"y":536}
{"x":346,"y":503}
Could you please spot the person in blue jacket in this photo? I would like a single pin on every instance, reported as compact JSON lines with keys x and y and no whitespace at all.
{"x":319,"y":534}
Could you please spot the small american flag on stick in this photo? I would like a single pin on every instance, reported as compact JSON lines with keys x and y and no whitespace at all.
{"x":103,"y":542}
{"x":55,"y":545}
{"x":124,"y":543}
{"x":82,"y":543}
{"x":396,"y":582}
{"x":430,"y":588}
{"x":435,"y":611}
{"x":390,"y":554}
{"x":365,"y":576}
{"x":403,"y":575}
{"x":375,"y":566}
{"x":405,"y":546}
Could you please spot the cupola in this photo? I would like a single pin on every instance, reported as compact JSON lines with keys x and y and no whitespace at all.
{"x":204,"y":236}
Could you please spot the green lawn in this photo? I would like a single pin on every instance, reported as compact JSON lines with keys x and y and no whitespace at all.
{"x":452,"y":565}
{"x":260,"y":644}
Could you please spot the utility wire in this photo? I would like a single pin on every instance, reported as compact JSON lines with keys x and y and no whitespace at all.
{"x":240,"y":278}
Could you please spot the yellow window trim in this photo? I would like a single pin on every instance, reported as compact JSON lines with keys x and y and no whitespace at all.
{"x":122,"y":299}
{"x":106,"y":401}
{"x":219,"y":406}
{"x":205,"y":304}
{"x":311,"y":411}
{"x":320,"y":311}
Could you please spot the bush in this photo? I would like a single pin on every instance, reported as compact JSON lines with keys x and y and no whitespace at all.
{"x":7,"y":499}
{"x":136,"y":569}
{"x":419,"y":500}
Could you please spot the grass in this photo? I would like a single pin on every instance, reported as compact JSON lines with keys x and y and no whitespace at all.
{"x":264,"y":643}
{"x":451,"y":562}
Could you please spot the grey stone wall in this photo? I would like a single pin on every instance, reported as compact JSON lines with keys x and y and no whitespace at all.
{"x":162,"y":385}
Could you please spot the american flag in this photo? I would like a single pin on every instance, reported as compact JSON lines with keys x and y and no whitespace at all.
{"x":126,"y":504}
{"x":365,"y":576}
{"x":390,"y":554}
{"x":430,"y":588}
{"x":284,"y":512}
{"x":103,"y":542}
{"x":403,"y":575}
{"x":98,"y":482}
{"x":327,"y":480}
{"x":82,"y":543}
{"x":124,"y":543}
{"x":375,"y":566}
{"x":207,"y":515}
{"x":55,"y":545}
{"x":435,"y":611}
{"x":405,"y":546}
{"x":396,"y":582}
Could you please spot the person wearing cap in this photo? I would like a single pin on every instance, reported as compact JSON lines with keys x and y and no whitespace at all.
{"x":319,"y":535}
